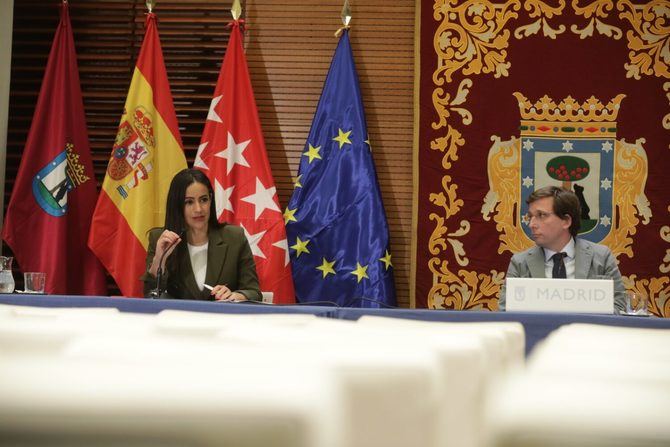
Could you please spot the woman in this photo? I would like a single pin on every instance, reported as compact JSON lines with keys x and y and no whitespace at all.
{"x":216,"y":260}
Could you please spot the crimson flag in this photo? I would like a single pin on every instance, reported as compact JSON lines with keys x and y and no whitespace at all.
{"x":232,"y":154}
{"x":50,"y":209}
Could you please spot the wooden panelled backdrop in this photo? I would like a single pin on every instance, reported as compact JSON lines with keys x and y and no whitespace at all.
{"x":289,"y":45}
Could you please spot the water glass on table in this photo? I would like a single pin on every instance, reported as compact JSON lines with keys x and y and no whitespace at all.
{"x":636,"y":303}
{"x":6,"y":278}
{"x":34,"y":282}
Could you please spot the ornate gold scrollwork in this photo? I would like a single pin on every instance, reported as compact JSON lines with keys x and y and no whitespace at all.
{"x":542,"y":11}
{"x":629,"y":183}
{"x":502,"y":200}
{"x":656,"y":289}
{"x":665,"y":235}
{"x":472,"y":39}
{"x":594,"y":10}
{"x":648,"y":37}
{"x":444,"y":104}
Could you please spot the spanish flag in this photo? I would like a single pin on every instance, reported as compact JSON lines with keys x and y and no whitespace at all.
{"x":146,"y":155}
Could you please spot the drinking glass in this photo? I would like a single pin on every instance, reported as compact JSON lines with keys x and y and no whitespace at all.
{"x":636,"y":303}
{"x":34,"y":282}
{"x":6,"y":278}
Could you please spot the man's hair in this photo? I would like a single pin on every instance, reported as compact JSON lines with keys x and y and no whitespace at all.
{"x":566,"y":204}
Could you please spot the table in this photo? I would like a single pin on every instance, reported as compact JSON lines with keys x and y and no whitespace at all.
{"x":537,"y":325}
{"x":151,"y":306}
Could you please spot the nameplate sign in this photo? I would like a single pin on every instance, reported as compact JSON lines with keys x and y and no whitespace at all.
{"x":590,"y":296}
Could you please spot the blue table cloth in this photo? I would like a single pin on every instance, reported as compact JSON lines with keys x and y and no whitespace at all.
{"x":537,"y":325}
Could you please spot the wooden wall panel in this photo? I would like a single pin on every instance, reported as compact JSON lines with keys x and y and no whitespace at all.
{"x":108,"y":35}
{"x":289,"y":45}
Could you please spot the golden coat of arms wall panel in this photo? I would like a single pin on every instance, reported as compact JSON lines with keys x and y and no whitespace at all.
{"x":517,"y":95}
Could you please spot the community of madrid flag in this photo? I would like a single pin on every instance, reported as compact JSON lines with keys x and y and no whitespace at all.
{"x":146,"y":155}
{"x":50,"y":210}
{"x":336,"y":223}
{"x":232,"y":154}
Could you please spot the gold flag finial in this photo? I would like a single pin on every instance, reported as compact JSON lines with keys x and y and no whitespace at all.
{"x":150,"y":5}
{"x":236,"y":10}
{"x":346,"y":13}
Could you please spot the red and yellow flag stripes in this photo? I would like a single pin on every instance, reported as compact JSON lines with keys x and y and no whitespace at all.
{"x":146,"y":155}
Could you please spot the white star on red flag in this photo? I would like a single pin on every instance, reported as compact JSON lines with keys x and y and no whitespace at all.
{"x":212,"y":115}
{"x":222,"y":198}
{"x":263,"y":199}
{"x":283,"y":244}
{"x":199,"y":162}
{"x":254,"y":240}
{"x":232,"y":154}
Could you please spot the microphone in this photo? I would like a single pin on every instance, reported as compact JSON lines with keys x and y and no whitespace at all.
{"x":156,"y":292}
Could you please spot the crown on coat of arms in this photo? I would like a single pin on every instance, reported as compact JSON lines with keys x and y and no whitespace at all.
{"x":75,"y":169}
{"x":143,"y":124}
{"x":569,"y":117}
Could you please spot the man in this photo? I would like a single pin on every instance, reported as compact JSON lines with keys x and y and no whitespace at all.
{"x":554,"y":218}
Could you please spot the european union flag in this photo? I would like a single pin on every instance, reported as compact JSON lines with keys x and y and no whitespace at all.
{"x":336,"y":224}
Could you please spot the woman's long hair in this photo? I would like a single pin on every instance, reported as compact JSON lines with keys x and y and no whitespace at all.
{"x":174,"y":208}
{"x":174,"y":211}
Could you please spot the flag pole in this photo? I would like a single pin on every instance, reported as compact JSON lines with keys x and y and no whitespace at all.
{"x":346,"y":18}
{"x":127,"y":210}
{"x":346,"y":13}
{"x":54,"y":192}
{"x":341,"y":251}
{"x":236,"y":10}
{"x":233,"y":123}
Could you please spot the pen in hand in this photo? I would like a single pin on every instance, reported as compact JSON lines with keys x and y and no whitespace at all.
{"x":210,"y":288}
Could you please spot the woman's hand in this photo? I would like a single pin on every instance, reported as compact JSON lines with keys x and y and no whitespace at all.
{"x":223,"y":293}
{"x":165,"y":245}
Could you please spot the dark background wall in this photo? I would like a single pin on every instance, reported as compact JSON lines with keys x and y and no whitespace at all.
{"x":289,"y":46}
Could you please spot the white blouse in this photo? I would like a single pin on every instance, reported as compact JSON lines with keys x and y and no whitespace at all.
{"x":198,"y":255}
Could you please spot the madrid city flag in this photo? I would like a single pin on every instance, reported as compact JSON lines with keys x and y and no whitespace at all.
{"x":52,"y":201}
{"x":232,"y":154}
{"x":337,"y":227}
{"x":146,"y":155}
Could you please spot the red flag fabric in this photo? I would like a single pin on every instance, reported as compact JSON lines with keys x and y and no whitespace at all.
{"x":146,"y":155}
{"x":50,"y":209}
{"x":232,"y":154}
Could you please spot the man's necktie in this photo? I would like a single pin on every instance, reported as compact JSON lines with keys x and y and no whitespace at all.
{"x":558,"y":271}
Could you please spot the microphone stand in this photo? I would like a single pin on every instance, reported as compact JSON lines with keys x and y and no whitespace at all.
{"x":156,"y":292}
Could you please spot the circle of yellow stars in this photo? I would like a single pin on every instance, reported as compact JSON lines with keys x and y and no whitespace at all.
{"x":328,"y":267}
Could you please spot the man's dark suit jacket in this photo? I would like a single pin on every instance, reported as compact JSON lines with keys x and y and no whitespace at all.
{"x":229,"y":262}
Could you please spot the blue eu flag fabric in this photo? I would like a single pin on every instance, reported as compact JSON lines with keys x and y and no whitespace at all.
{"x":336,"y":224}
